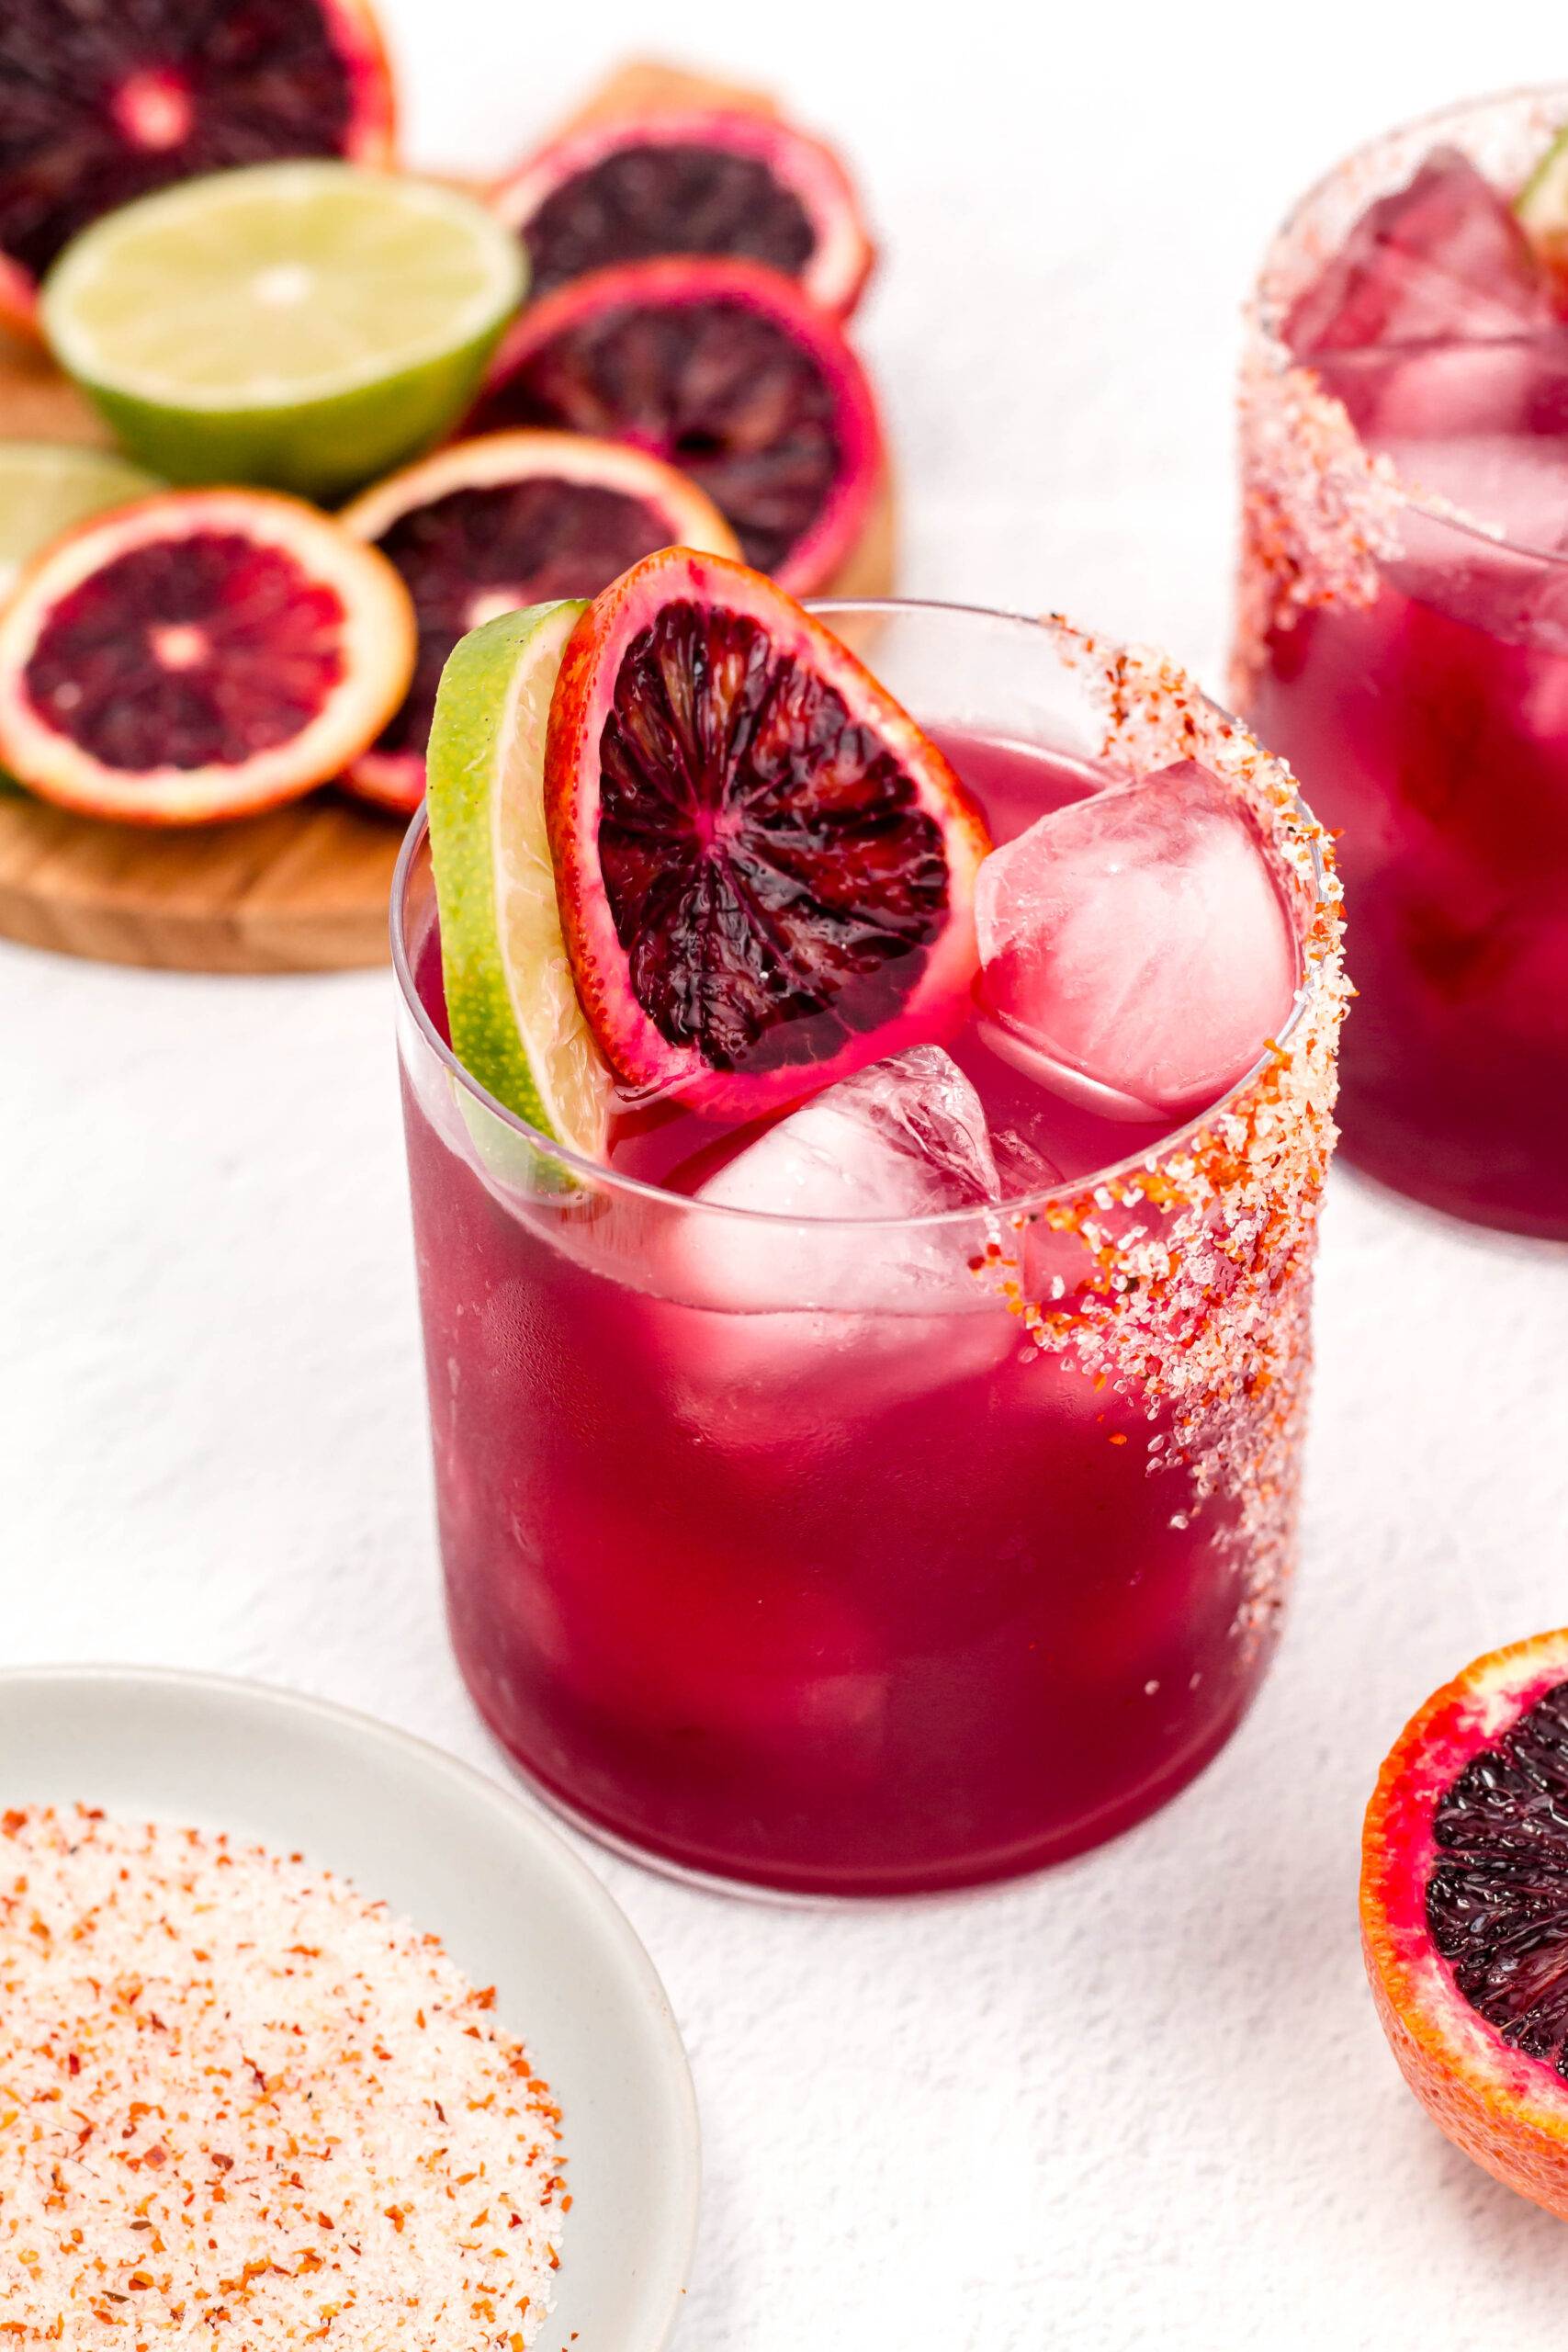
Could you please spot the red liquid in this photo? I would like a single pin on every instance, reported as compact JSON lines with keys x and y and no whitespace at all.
{"x":841,"y":1602}
{"x":1441,"y":751}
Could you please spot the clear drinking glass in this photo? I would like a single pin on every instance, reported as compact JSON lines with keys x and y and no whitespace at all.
{"x":771,"y":1566}
{"x":1414,"y":670}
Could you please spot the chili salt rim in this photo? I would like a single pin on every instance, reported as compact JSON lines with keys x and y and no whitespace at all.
{"x":261,"y":2105}
{"x":1198,"y":1299}
{"x":1320,"y":510}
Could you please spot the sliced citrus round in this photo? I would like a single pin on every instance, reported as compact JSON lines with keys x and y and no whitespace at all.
{"x":305,"y":325}
{"x":47,"y":486}
{"x":100,"y":106}
{"x":766,"y":872}
{"x":516,"y":1024}
{"x":487,"y":525}
{"x":728,"y":370}
{"x":1464,"y":1912}
{"x":725,"y":180}
{"x":200,"y":654}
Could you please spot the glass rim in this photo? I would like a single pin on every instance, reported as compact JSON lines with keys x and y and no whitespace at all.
{"x":974,"y":1213}
{"x":1434,"y":120}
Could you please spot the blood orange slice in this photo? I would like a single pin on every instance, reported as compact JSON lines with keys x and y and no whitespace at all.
{"x":100,"y":105}
{"x":722,"y":180}
{"x":511,"y":519}
{"x":200,"y":654}
{"x":726,"y":370}
{"x":765,"y":871}
{"x":1464,"y":1912}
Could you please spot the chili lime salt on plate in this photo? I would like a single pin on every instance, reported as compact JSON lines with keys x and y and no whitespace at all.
{"x":240,"y":2102}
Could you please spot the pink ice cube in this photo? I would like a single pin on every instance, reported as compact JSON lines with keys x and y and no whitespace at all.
{"x":1135,"y":946}
{"x":1442,"y":257}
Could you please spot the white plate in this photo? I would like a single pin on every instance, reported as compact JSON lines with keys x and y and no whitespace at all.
{"x":458,"y":1855}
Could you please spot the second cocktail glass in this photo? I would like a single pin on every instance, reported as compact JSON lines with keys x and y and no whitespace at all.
{"x":1403,"y":638}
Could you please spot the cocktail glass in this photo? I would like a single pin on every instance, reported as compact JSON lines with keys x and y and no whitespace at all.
{"x":1413,"y":668}
{"x":774,"y":1567}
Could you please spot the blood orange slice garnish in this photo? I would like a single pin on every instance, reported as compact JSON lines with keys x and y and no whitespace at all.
{"x":722,"y":180}
{"x":100,"y":105}
{"x":200,"y":654}
{"x":728,"y":371}
{"x":765,"y":871}
{"x":488,"y":525}
{"x":1464,"y":1912}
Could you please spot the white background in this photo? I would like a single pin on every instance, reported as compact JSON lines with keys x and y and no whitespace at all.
{"x":1143,"y":2103}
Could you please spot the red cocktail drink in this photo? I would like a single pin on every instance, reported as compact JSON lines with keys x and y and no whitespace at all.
{"x":869,"y":1553}
{"x":1405,"y":638}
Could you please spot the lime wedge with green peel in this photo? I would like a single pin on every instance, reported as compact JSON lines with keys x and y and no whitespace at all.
{"x":1542,"y":205}
{"x":305,"y":325}
{"x":516,"y":1024}
{"x":47,"y":486}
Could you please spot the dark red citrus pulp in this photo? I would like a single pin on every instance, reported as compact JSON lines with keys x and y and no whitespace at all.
{"x":726,"y":181}
{"x":188,"y":654}
{"x":766,"y":869}
{"x":726,"y":371}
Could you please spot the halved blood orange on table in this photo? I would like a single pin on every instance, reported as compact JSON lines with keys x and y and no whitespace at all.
{"x":765,"y":870}
{"x":722,"y":180}
{"x":726,"y":370}
{"x":510,"y":519}
{"x":100,"y":105}
{"x":198,"y":655}
{"x":1464,"y":1912}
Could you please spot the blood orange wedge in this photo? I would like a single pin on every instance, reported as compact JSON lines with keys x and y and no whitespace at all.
{"x":726,"y":180}
{"x":101,"y":105}
{"x":510,"y":519}
{"x":765,"y":871}
{"x":728,"y":370}
{"x":1464,"y":1912}
{"x":200,"y":654}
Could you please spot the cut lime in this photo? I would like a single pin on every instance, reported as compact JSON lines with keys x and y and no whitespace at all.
{"x":1542,"y":205}
{"x":516,"y":1023}
{"x":305,"y":325}
{"x":46,"y":486}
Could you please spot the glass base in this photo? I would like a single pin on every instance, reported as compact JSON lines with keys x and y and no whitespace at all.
{"x":1395,"y":1166}
{"x":964,"y":1884}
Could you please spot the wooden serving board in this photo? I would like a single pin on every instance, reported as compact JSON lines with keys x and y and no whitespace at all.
{"x":301,"y":889}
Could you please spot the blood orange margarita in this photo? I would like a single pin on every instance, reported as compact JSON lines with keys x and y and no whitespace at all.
{"x":849,"y":1553}
{"x":1404,"y":635}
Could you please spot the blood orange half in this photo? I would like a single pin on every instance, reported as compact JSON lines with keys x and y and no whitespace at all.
{"x":726,"y":370}
{"x":721,"y":180}
{"x":101,"y":105}
{"x":1464,"y":1912}
{"x":510,"y":519}
{"x":765,"y":871}
{"x":200,"y":654}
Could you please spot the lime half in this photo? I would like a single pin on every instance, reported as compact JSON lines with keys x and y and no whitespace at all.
{"x":516,"y":1023}
{"x":1542,"y":205}
{"x":305,"y":325}
{"x":46,"y":486}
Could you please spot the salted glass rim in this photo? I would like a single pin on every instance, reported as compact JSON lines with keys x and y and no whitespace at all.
{"x":1434,"y":119}
{"x":604,"y":1178}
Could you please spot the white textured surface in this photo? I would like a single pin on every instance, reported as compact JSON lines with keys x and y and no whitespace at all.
{"x":1143,"y":2103}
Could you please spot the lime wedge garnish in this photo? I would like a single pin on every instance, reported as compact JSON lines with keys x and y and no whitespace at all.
{"x":46,"y":486}
{"x":302,"y":325}
{"x":515,"y":1021}
{"x":1542,"y":205}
